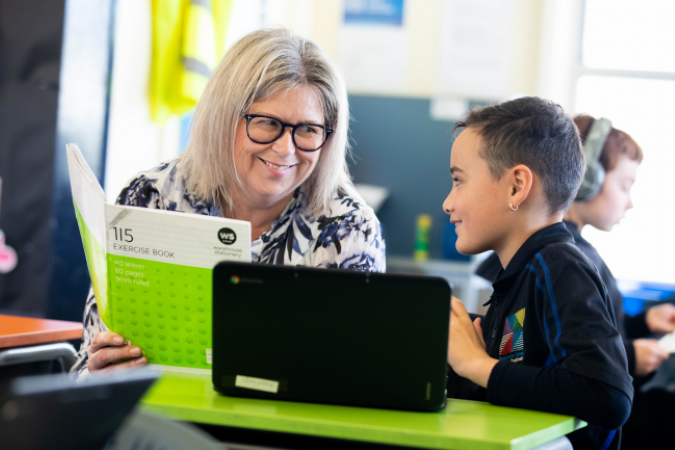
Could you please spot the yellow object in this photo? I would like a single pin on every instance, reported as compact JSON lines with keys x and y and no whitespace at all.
{"x":520,"y":315}
{"x":188,"y":39}
{"x":422,"y":237}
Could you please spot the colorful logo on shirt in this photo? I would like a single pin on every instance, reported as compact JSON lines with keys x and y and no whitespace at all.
{"x":511,"y":347}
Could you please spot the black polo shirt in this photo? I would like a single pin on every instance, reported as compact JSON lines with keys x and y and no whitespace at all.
{"x":552,"y":328}
{"x":629,"y":327}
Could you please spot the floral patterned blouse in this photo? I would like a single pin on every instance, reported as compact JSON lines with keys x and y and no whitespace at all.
{"x":348,"y":237}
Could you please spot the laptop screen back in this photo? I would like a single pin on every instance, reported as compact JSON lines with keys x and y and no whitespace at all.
{"x":55,"y":412}
{"x":330,"y":336}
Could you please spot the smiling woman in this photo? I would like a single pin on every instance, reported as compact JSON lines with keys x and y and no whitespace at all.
{"x":269,"y":172}
{"x":269,"y":146}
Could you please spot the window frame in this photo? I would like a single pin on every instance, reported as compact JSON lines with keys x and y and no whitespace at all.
{"x":579,"y":69}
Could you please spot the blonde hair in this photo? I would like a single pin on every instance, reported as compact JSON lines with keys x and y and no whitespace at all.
{"x":259,"y":65}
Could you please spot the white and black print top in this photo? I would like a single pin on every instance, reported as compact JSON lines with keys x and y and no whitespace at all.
{"x":349,"y":237}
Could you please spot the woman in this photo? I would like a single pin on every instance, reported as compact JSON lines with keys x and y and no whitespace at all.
{"x":268,"y":146}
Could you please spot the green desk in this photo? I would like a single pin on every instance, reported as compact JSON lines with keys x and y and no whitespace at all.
{"x":462,"y":425}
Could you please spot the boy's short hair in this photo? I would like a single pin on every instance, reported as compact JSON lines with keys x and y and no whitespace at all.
{"x":534,"y":132}
{"x":618,"y":143}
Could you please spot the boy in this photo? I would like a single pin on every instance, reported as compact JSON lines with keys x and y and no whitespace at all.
{"x":549,"y":340}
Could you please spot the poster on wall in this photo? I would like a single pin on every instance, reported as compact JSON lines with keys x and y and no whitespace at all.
{"x":374,"y":12}
{"x":373,"y":46}
{"x":476,"y":49}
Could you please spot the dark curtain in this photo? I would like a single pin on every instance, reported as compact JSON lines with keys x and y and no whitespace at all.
{"x":30,"y":54}
{"x":55,"y":65}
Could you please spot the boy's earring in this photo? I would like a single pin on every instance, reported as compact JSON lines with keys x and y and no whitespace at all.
{"x":512,"y":208}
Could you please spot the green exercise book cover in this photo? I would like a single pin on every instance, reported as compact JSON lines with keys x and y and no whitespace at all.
{"x":151,"y":269}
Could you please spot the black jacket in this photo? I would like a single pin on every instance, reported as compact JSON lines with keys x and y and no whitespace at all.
{"x":630,"y":327}
{"x":551,"y":326}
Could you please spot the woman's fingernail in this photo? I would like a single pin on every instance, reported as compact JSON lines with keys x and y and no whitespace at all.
{"x":118,"y":339}
{"x":135,"y":351}
{"x":140,"y":361}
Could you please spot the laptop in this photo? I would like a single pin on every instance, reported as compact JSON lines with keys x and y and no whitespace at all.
{"x":50,"y":412}
{"x":330,"y":336}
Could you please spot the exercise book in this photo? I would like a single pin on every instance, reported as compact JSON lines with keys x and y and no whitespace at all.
{"x":151,"y":269}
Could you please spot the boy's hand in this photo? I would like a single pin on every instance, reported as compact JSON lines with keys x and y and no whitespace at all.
{"x":466,"y":348}
{"x":661,"y":319}
{"x":649,"y":356}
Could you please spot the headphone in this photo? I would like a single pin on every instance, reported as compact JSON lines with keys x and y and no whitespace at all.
{"x":595,"y":173}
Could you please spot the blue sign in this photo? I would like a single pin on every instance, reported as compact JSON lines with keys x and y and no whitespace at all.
{"x":374,"y":12}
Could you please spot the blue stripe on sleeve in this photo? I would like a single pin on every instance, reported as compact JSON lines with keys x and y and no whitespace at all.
{"x":536,"y":272}
{"x":551,"y":359}
{"x":548,"y":342}
{"x":551,"y":296}
{"x":608,"y":441}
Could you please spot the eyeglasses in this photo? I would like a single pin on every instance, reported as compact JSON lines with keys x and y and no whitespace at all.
{"x":308,"y":137}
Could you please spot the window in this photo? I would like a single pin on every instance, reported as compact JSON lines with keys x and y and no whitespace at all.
{"x":626,"y":72}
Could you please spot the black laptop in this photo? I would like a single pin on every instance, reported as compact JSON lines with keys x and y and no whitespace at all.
{"x":330,"y":336}
{"x":53,"y":412}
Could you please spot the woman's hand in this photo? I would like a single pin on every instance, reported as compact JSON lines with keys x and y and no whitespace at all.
{"x":108,"y":351}
{"x":649,"y":356}
{"x":661,"y":319}
{"x":466,"y":347}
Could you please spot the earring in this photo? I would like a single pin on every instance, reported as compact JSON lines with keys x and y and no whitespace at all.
{"x":512,"y":208}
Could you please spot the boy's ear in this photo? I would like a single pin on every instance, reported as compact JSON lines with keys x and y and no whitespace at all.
{"x":520,"y":183}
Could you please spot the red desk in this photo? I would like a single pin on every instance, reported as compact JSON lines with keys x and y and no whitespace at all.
{"x":21,"y":331}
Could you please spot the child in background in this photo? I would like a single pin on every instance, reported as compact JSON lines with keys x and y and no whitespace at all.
{"x":619,"y":157}
{"x":549,"y":340}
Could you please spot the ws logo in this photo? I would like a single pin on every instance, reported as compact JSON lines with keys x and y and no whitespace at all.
{"x":227,"y":236}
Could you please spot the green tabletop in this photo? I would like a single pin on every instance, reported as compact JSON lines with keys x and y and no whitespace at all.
{"x":462,"y":424}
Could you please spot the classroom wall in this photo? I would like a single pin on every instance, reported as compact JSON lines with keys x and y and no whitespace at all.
{"x":421,"y":20}
{"x":398,"y":146}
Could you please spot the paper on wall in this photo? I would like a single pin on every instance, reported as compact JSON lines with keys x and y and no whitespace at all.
{"x":476,"y":49}
{"x":373,"y":58}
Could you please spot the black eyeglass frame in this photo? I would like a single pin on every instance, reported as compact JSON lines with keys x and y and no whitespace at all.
{"x":285,"y":125}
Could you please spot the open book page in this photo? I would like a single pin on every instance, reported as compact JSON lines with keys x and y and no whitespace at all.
{"x":89,"y":200}
{"x":88,"y":174}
